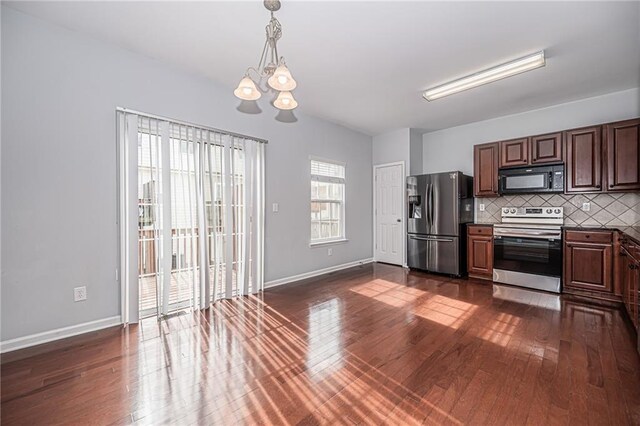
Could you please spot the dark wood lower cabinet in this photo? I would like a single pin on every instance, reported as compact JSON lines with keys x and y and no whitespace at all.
{"x":480,"y":252}
{"x":630,"y":276}
{"x":588,"y":265}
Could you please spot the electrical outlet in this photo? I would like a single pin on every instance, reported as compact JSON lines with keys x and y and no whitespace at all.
{"x":330,"y":252}
{"x":586,"y":207}
{"x":481,"y":207}
{"x":275,"y":207}
{"x":80,"y":294}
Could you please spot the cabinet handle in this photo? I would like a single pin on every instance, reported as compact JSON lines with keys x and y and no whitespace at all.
{"x":598,"y":186}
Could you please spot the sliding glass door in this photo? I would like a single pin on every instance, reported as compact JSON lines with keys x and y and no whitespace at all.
{"x":199,"y":212}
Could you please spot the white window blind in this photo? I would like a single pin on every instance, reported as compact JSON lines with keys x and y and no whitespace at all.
{"x":192,"y":213}
{"x":327,"y":201}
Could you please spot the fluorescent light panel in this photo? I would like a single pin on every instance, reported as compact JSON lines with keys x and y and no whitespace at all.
{"x":499,"y":72}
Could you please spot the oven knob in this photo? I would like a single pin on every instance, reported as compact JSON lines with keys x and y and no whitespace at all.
{"x":557,"y":211}
{"x":548,"y":211}
{"x":505,"y":211}
{"x":513,"y":211}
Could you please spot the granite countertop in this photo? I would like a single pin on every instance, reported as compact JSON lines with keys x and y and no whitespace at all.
{"x":632,"y":232}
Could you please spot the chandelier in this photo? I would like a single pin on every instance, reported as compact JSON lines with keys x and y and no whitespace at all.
{"x":270,"y":67}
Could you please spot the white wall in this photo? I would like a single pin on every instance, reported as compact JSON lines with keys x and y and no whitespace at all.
{"x":452,"y":149}
{"x":391,"y":147}
{"x":59,"y":94}
{"x":415,"y":152}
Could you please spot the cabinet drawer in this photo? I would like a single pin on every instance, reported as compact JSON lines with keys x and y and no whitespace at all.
{"x":480,"y":230}
{"x":589,"y":236}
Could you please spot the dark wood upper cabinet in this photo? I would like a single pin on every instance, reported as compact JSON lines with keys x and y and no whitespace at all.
{"x":546,"y":148}
{"x":583,"y":154}
{"x":622,"y":141}
{"x":601,"y":158}
{"x":514,"y":152}
{"x":485,"y":170}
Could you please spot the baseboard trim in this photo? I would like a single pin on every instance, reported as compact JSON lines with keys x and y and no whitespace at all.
{"x":74,"y":330}
{"x":294,"y":278}
{"x":59,"y":333}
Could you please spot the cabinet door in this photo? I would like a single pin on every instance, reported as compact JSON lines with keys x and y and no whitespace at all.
{"x":630,"y":281}
{"x":514,"y":152}
{"x":546,"y":148}
{"x":634,"y":288}
{"x":588,"y":266}
{"x":480,"y":256}
{"x":485,"y":170}
{"x":583,"y":154}
{"x":625,"y":277}
{"x":623,"y":155}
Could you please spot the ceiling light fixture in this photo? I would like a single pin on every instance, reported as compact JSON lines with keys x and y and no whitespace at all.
{"x":271,"y":67}
{"x":490,"y":75}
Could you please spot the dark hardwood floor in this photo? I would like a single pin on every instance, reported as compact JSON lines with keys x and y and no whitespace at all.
{"x":373,"y":344}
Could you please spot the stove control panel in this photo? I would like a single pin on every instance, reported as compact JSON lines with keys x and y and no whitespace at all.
{"x":533,"y":215}
{"x":534,"y":212}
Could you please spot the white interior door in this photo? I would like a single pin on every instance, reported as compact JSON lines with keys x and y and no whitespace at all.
{"x":389,"y":217}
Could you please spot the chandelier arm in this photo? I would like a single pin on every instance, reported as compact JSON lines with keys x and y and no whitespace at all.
{"x":263,"y":57}
{"x":257,"y":73}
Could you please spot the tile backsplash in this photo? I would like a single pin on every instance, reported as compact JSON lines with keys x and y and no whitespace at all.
{"x":606,"y":209}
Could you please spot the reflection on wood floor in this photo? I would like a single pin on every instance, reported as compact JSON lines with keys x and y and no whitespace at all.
{"x":373,"y":344}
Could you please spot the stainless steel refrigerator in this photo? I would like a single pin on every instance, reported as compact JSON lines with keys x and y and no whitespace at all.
{"x":439,"y":206}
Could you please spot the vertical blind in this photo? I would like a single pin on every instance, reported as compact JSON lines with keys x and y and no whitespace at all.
{"x":191,"y":215}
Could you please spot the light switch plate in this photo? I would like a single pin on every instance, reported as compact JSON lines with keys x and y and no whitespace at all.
{"x":586,"y":207}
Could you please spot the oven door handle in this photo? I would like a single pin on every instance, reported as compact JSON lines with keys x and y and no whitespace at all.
{"x":536,"y":235}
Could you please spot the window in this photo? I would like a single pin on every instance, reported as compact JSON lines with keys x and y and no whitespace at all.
{"x":327,"y":201}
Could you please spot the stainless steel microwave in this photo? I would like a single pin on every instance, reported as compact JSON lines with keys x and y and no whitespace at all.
{"x":524,"y":180}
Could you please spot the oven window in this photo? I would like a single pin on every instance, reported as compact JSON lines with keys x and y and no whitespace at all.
{"x":535,"y":181}
{"x":528,"y":255}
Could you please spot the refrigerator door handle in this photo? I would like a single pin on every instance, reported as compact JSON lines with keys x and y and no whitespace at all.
{"x":441,"y":240}
{"x":431,"y":209}
{"x":428,"y":208}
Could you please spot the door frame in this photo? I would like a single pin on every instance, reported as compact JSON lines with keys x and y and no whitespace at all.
{"x":404,"y":207}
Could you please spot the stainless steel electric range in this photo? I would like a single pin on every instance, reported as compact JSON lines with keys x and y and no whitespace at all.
{"x":528,"y":248}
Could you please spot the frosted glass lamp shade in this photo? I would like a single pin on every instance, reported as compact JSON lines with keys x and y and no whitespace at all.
{"x":285,"y":101}
{"x":247,"y":90}
{"x":281,"y":79}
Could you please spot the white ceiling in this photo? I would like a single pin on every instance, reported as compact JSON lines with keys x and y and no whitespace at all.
{"x":364,"y":64}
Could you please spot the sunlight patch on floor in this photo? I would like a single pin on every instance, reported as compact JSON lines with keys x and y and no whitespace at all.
{"x":392,"y":294}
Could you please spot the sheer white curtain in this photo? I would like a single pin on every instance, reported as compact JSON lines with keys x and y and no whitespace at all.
{"x":191,"y":215}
